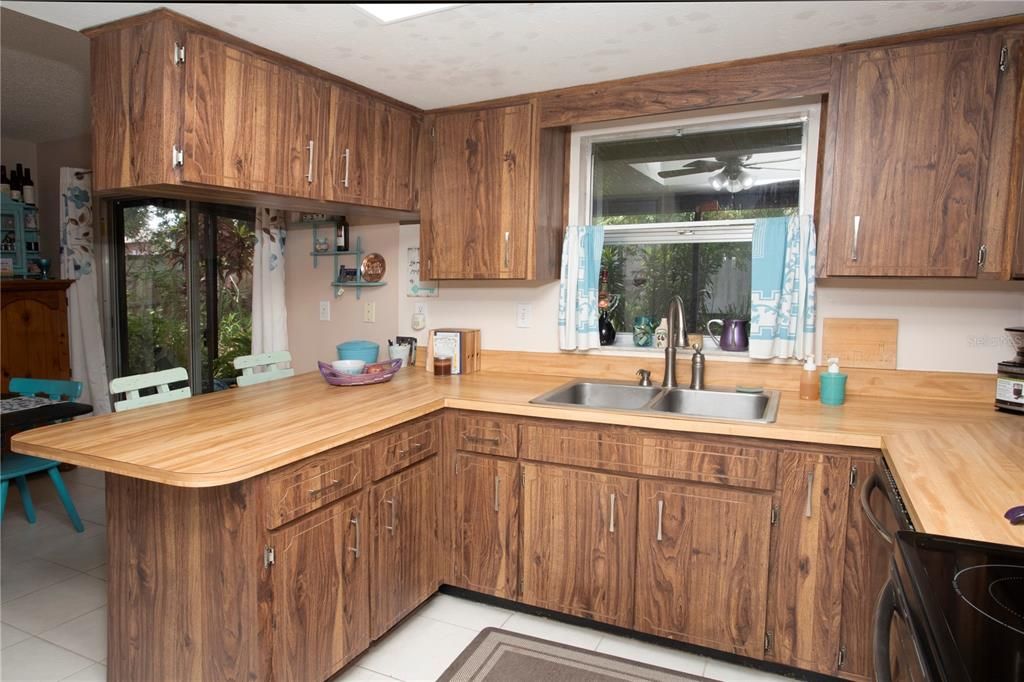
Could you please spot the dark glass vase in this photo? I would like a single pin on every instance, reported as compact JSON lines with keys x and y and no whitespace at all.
{"x":605,"y":329}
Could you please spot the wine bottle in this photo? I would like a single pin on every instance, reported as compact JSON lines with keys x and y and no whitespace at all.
{"x":16,"y":183}
{"x":5,"y":182}
{"x":28,"y":189}
{"x":341,"y":240}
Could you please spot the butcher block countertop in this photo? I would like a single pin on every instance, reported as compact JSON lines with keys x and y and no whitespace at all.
{"x":960,"y":466}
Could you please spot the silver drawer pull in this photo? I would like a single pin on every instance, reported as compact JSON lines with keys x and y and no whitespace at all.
{"x":497,"y":492}
{"x":355,"y":550}
{"x":661,"y":514}
{"x":611,"y":521}
{"x":506,"y":249}
{"x":320,"y":491}
{"x":394,"y":515}
{"x":309,"y":172}
{"x":856,"y":236}
{"x":346,"y":157}
{"x":482,"y":439}
{"x":810,"y":493}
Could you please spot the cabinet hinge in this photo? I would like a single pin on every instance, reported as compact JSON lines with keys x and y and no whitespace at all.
{"x":775,"y":514}
{"x":982,"y":255}
{"x":841,"y":657}
{"x":177,"y":156}
{"x":179,"y":53}
{"x":768,"y":640}
{"x":268,"y":556}
{"x":853,"y":476}
{"x":1004,"y":58}
{"x":522,"y":585}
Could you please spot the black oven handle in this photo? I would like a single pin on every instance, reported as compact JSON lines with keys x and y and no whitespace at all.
{"x":873,"y":482}
{"x":886,"y":608}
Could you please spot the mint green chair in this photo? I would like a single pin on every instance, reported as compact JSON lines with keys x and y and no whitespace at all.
{"x":15,"y":467}
{"x":159,"y":382}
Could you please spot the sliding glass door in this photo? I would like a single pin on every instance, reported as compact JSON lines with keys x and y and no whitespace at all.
{"x":183,"y":283}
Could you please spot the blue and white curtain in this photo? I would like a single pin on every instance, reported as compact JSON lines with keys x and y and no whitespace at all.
{"x":269,"y":317}
{"x":88,"y":357}
{"x":782,"y":288}
{"x":578,"y":293}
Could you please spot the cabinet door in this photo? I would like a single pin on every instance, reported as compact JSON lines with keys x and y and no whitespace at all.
{"x":702,"y":565}
{"x":806,"y":577}
{"x":866,"y":569}
{"x":321,"y":591}
{"x":487,"y":525}
{"x":479,"y":216}
{"x":249,"y":122}
{"x":579,"y":541}
{"x":349,"y":157}
{"x":406,"y":546}
{"x":395,"y":140}
{"x":912,"y":138}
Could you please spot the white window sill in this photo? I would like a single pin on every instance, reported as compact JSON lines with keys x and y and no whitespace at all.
{"x":623,"y":347}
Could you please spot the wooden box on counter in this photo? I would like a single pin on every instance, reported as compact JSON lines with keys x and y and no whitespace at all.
{"x":469,"y":349}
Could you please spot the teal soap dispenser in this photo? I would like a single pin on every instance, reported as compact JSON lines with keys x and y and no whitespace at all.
{"x":833,"y":384}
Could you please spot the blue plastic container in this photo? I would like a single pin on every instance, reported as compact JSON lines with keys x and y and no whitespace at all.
{"x":366,"y":351}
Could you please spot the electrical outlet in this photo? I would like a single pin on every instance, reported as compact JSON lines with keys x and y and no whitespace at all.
{"x":325,"y":311}
{"x":369,"y":312}
{"x":523,"y":311}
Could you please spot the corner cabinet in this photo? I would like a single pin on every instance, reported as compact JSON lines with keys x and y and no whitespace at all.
{"x":180,"y":108}
{"x":494,"y":209}
{"x":911,"y":137}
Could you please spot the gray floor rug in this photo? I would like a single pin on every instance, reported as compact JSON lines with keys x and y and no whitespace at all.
{"x":501,"y":656}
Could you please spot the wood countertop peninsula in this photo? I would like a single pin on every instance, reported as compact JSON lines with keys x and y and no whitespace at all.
{"x":959,"y":465}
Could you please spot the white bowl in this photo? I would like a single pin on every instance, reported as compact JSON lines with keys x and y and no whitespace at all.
{"x":349,"y":366}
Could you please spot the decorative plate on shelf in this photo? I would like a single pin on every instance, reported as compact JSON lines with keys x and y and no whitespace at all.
{"x":372,"y":268}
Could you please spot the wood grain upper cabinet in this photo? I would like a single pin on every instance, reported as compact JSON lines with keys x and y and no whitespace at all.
{"x":806,"y":577}
{"x":912,"y":127}
{"x":702,"y":565}
{"x":250,"y":123}
{"x":396,"y":139}
{"x":319,"y":586}
{"x":579,"y":542}
{"x":406,"y":543}
{"x":490,"y":214}
{"x":487,"y":524}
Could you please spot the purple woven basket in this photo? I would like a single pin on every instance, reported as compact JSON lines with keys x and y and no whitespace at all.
{"x":336,"y":378}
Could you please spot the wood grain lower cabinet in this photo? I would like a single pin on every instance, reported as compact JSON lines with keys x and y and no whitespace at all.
{"x":320,"y":591}
{"x":487,"y":525}
{"x":406,"y":543}
{"x":808,"y":546}
{"x":579,"y":542}
{"x":702,"y":565}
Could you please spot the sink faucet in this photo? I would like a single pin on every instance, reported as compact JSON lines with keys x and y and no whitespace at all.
{"x":676,"y":337}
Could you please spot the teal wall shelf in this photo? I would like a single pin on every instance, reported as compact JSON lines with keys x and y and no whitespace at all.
{"x":336,"y":258}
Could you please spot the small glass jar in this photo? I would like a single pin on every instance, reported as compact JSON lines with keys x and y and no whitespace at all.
{"x":442,"y":366}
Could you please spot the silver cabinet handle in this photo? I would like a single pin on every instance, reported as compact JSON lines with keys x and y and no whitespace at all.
{"x":394,"y":516}
{"x":856,"y":236}
{"x":481,"y":439}
{"x":497,"y":492}
{"x":810,"y":492}
{"x":611,"y":521}
{"x":661,"y":513}
{"x":355,"y":522}
{"x":506,"y":249}
{"x":345,"y":156}
{"x":309,"y":172}
{"x":320,"y":491}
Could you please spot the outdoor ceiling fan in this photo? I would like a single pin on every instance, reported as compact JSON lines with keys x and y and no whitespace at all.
{"x":732,"y":171}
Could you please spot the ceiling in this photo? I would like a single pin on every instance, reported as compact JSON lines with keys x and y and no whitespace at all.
{"x":44,"y":80}
{"x":479,"y":51}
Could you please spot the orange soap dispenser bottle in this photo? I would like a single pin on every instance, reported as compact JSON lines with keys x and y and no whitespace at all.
{"x":809,"y":387}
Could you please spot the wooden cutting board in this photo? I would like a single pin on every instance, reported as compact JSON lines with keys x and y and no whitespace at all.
{"x":860,"y":342}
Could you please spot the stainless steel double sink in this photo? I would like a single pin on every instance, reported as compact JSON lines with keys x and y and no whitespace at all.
{"x":755,"y":406}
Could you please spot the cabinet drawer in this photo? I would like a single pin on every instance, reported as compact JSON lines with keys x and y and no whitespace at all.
{"x":486,"y":435}
{"x":609,"y":448}
{"x":308,"y":485}
{"x":404,"y":446}
{"x":710,"y":461}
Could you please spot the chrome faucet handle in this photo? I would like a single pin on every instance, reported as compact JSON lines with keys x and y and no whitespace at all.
{"x":645,"y":376}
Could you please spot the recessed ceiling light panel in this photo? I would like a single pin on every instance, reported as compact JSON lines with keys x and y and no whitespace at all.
{"x":393,"y":12}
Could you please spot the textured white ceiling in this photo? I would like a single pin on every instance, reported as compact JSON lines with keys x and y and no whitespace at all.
{"x":484,"y":50}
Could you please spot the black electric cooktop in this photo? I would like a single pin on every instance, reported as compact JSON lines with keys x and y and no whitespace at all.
{"x":966,"y":604}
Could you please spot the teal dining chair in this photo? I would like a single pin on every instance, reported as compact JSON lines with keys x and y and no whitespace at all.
{"x":15,"y":467}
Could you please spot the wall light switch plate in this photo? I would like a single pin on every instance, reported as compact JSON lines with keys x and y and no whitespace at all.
{"x":325,"y":311}
{"x":369,"y":312}
{"x":523,"y":312}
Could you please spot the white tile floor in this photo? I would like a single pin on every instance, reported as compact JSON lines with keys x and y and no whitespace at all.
{"x":53,"y":609}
